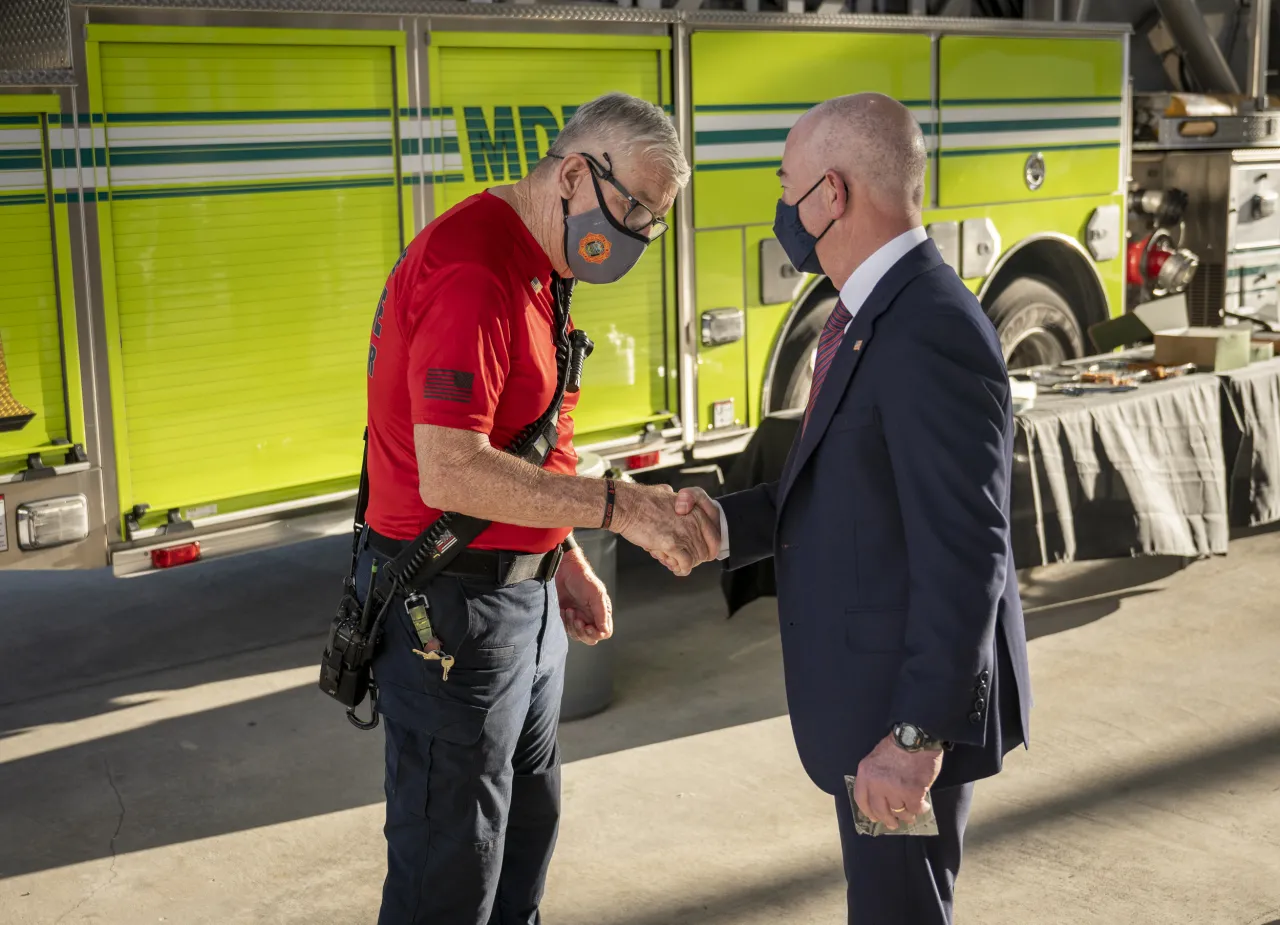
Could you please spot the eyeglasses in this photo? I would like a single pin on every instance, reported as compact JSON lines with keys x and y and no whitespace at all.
{"x":639,"y":217}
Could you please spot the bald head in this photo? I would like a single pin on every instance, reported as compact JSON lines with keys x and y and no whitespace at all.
{"x":870,"y":138}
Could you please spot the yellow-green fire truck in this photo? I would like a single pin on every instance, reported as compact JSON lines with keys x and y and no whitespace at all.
{"x":200,"y":203}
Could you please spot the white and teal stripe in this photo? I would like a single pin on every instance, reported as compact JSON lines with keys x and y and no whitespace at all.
{"x":429,"y":146}
{"x":991,"y":126}
{"x":21,"y":161}
{"x":183,"y":154}
{"x":753,"y":135}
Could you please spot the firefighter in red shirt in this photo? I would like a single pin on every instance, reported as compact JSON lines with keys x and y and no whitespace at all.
{"x":468,"y":349}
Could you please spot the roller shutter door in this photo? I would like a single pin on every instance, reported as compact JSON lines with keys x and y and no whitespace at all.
{"x":497,"y":108}
{"x":33,"y":411}
{"x":254,"y":219}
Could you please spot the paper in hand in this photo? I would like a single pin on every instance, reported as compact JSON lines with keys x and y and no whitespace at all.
{"x":925,"y":824}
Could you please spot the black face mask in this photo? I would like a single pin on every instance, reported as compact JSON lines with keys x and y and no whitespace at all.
{"x":800,"y":246}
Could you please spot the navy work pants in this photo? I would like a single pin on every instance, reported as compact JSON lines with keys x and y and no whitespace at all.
{"x":472,"y":762}
{"x":905,"y":879}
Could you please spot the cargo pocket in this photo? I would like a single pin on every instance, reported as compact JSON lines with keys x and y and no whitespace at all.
{"x":431,"y":715}
{"x":408,"y":770}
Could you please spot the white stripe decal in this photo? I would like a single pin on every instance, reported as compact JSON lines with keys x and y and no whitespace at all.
{"x":21,"y":138}
{"x":138,"y":135}
{"x":755,"y":151}
{"x":952,"y":140}
{"x":280,"y":170}
{"x":763,"y":120}
{"x":952,"y":114}
{"x":438,"y":163}
{"x":13,"y":180}
{"x":65,"y":138}
{"x":741,"y":121}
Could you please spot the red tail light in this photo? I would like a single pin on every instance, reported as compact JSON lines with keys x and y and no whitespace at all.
{"x":170,"y":556}
{"x":644,"y":460}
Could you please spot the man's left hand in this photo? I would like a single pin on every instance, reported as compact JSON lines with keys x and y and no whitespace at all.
{"x":585,"y":607}
{"x":892,"y":778}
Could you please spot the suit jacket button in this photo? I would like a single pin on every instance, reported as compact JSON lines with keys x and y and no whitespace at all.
{"x":975,"y":717}
{"x":982,"y":687}
{"x":985,"y":675}
{"x":979,"y":704}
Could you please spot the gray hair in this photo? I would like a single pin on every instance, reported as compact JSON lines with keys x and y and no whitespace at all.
{"x":625,"y":127}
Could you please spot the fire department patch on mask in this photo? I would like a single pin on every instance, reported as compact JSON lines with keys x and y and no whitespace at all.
{"x":449,"y":385}
{"x":594,"y":248}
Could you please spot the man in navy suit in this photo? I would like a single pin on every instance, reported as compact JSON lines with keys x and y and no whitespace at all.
{"x":902,"y":633}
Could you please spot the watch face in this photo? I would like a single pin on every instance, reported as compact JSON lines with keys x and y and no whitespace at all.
{"x":909,"y":735}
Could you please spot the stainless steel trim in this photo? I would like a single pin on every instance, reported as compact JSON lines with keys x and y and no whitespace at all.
{"x":712,"y":449}
{"x":135,"y":560}
{"x":686,"y":292}
{"x":1043,"y":236}
{"x":420,"y":213}
{"x":886,"y":23}
{"x":1126,"y":126}
{"x":433,"y":8}
{"x":238,"y":517}
{"x":57,"y":470}
{"x":935,"y":117}
{"x":51,"y":77}
{"x":615,"y":447}
{"x":1260,"y":24}
{"x":710,"y":19}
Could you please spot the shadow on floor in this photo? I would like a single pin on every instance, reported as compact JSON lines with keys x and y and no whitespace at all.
{"x":274,"y":755}
{"x":260,"y":756}
{"x":1113,"y":797}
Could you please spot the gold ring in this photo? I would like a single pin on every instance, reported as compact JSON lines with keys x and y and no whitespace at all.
{"x":901,"y":809}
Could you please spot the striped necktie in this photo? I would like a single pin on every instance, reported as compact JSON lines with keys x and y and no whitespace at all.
{"x":828,"y":343}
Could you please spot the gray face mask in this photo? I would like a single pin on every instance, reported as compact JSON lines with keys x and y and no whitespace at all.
{"x":599,"y":248}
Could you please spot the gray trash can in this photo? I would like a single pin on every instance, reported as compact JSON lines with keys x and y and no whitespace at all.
{"x":588,"y":676}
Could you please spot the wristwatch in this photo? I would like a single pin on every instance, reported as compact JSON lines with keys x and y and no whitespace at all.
{"x":911,"y":738}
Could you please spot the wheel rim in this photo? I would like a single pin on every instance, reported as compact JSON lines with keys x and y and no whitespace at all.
{"x":802,"y":381}
{"x":1035,"y":346}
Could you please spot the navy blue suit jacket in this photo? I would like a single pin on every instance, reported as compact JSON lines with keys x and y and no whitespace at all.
{"x":897,"y":596}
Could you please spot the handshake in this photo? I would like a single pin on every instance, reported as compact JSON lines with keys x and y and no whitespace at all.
{"x":679,"y":530}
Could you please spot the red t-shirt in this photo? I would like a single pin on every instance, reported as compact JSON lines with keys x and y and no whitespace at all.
{"x":462,"y":338}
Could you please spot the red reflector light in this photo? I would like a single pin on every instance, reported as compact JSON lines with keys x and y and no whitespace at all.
{"x":170,"y":556}
{"x":643,"y":460}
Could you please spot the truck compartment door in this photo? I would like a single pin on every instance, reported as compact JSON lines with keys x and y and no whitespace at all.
{"x":749,"y":88}
{"x":37,"y":410}
{"x":720,"y":331}
{"x":1029,"y":118}
{"x":498,"y":101}
{"x":254,"y":216}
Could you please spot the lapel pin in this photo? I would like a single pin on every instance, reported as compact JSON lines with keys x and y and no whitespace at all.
{"x":537,"y":286}
{"x":857,"y":345}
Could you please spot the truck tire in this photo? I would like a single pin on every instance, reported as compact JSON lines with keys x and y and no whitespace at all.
{"x":1035,"y":324}
{"x":794,"y":369}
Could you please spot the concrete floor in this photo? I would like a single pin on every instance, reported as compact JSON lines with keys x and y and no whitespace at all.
{"x":165,"y":757}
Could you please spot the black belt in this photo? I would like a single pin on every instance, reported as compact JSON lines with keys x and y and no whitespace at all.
{"x":499,"y":567}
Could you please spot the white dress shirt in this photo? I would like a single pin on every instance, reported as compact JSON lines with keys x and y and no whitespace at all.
{"x":854,"y":294}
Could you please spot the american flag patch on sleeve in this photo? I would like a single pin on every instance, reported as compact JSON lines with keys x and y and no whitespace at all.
{"x":448,"y":385}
